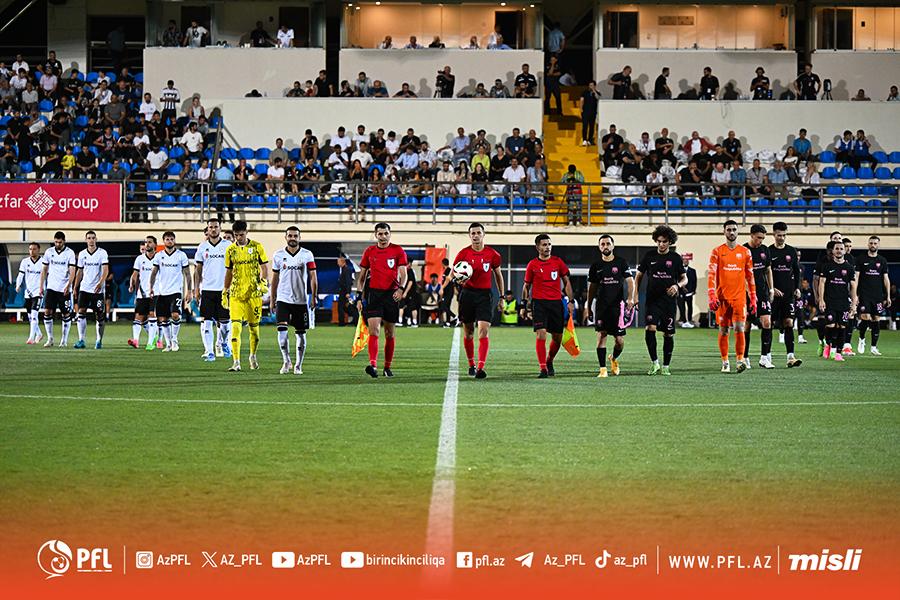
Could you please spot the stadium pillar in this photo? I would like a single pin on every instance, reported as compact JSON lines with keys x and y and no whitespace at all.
{"x":333,"y":41}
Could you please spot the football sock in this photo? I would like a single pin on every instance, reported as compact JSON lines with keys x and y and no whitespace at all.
{"x":601,"y":357}
{"x":848,"y":333}
{"x":484,"y":345}
{"x":469,"y":344}
{"x":389,"y":351}
{"x":554,"y":349}
{"x":668,"y":347}
{"x":301,"y":348}
{"x":81,"y":322}
{"x":617,"y":350}
{"x":66,"y":326}
{"x":650,"y":339}
{"x":224,"y":332}
{"x":373,"y":350}
{"x":863,"y":326}
{"x":540,"y":346}
{"x":283,"y":342}
{"x":35,"y":325}
{"x":740,"y":344}
{"x":101,"y":326}
{"x":136,"y":327}
{"x":876,"y":331}
{"x":254,"y":337}
{"x":723,"y":345}
{"x":799,"y":324}
{"x":152,"y":330}
{"x":820,"y":328}
{"x":48,"y":326}
{"x":166,"y":333}
{"x":207,"y":335}
{"x":766,"y":345}
{"x":236,"y":327}
{"x":789,"y":339}
{"x":745,"y":352}
{"x":175,"y":328}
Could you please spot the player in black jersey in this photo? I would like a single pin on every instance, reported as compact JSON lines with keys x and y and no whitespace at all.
{"x":762,"y":274}
{"x":819,"y":319}
{"x":665,"y":275}
{"x":786,"y":288}
{"x":874,"y":290}
{"x":837,"y":298}
{"x":612,"y":307}
{"x":847,"y":349}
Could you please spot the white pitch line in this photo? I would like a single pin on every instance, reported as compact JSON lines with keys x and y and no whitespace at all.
{"x":439,"y":538}
{"x":660,"y":405}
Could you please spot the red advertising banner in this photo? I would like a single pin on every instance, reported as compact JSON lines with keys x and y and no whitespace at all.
{"x":60,"y":202}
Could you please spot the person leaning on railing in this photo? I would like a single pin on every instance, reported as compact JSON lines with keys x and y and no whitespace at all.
{"x":573,"y":180}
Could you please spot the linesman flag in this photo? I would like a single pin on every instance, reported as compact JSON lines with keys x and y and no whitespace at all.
{"x":361,"y":338}
{"x":570,"y":339}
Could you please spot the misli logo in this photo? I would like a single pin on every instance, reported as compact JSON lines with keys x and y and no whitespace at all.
{"x":40,"y":202}
{"x":826,"y":561}
{"x":54,"y":558}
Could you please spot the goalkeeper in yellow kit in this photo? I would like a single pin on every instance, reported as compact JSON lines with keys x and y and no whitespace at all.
{"x":246,"y":282}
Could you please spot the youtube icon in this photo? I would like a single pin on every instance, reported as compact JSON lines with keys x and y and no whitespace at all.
{"x":353,"y":560}
{"x":283,"y":560}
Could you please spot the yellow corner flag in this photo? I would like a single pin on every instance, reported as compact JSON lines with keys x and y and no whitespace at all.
{"x":361,"y":339}
{"x":570,"y":339}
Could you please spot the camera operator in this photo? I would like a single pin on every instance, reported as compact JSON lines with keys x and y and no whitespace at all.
{"x":444,"y":83}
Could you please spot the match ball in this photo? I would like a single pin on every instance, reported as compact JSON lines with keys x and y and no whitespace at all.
{"x":462,"y":271}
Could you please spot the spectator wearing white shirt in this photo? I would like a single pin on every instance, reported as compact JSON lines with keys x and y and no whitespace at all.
{"x":341,"y":139}
{"x":142,"y":141}
{"x":204,"y":172}
{"x":360,"y":137}
{"x":473,"y":44}
{"x":413,"y":44}
{"x":514,"y":174}
{"x":102,"y":76}
{"x":392,"y":145}
{"x":103,"y":94}
{"x":19,"y":80}
{"x":362,"y":84}
{"x":362,"y":155}
{"x":158,"y":160}
{"x":192,"y":141}
{"x":720,"y":178}
{"x":30,"y":98}
{"x":428,"y":155}
{"x":20,"y":63}
{"x":446,"y":179}
{"x":644,"y":146}
{"x":275,"y":176}
{"x":336,"y":161}
{"x":48,"y":85}
{"x":285,"y":37}
{"x":147,"y":107}
{"x":194,"y":35}
{"x":387,"y":43}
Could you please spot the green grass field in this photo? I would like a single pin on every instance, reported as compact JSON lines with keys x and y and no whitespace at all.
{"x":113,"y":439}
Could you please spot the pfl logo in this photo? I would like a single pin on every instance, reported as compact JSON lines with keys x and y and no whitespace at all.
{"x":55,"y":559}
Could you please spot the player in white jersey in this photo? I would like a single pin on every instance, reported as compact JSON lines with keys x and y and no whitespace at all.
{"x":57,"y":277}
{"x":209,"y":281}
{"x":171,"y":272}
{"x":291,"y":266}
{"x":139,"y":285}
{"x":29,"y":279}
{"x":90,"y":282}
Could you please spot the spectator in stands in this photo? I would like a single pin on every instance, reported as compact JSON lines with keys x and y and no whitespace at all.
{"x":481,"y":141}
{"x":719,"y":156}
{"x":893,"y":96}
{"x":223,"y":185}
{"x":426,"y":154}
{"x":341,"y":139}
{"x":499,"y":90}
{"x":52,"y":166}
{"x":721,"y":178}
{"x":697,"y":145}
{"x":19,"y":80}
{"x":30,"y":98}
{"x":515,"y":145}
{"x":482,"y":158}
{"x":378,"y":90}
{"x":436,"y":42}
{"x":860,"y":96}
{"x":644,"y":146}
{"x":537,"y":178}
{"x":169,"y":99}
{"x":731,"y":145}
{"x":278,"y":152}
{"x":778,"y":178}
{"x":556,"y":40}
{"x":158,"y":161}
{"x":757,"y":181}
{"x":807,"y":84}
{"x":9,"y":163}
{"x":499,"y":162}
{"x":499,"y":44}
{"x":275,"y":176}
{"x":664,"y":146}
{"x":791,"y":164}
{"x":862,"y":151}
{"x":526,"y":78}
{"x":514,"y":175}
{"x":409,"y":140}
{"x":171,"y":37}
{"x":621,"y":83}
{"x":195,"y":110}
{"x":243,"y":175}
{"x":479,"y":92}
{"x":461,"y":146}
{"x":552,"y":74}
{"x":521,"y":91}
{"x":473,"y":44}
{"x":67,"y":163}
{"x":446,"y":179}
{"x":709,"y":85}
{"x":48,"y":84}
{"x":844,"y":148}
{"x":761,"y":86}
{"x":631,"y":169}
{"x":612,"y":147}
{"x":661,"y":90}
{"x":654,"y":180}
{"x":296,"y":91}
{"x":803,"y":147}
{"x":362,"y":155}
{"x":337,"y":162}
{"x":103,"y":94}
{"x":285,"y":36}
{"x":392,"y":146}
{"x":811,"y":182}
{"x":85,"y":164}
{"x":187,"y":178}
{"x":359,"y":137}
{"x":494,"y":37}
{"x":159,"y":133}
{"x":192,"y":141}
{"x":738,"y":179}
{"x":309,"y":146}
{"x":323,"y":88}
{"x":196,"y":35}
{"x":362,"y":84}
{"x":689,"y":179}
{"x":147,"y":107}
{"x":444,"y":83}
{"x":7,"y":95}
{"x":408,"y":162}
{"x":588,"y":105}
{"x":413,"y":44}
{"x":115,"y":112}
{"x":387,"y":43}
{"x":480,"y":177}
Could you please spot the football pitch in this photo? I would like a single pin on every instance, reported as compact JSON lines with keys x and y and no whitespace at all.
{"x":140,"y":446}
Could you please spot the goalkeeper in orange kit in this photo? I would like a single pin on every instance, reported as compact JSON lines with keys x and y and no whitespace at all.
{"x":730,"y":279}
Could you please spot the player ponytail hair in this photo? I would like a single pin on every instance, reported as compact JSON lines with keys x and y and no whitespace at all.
{"x":666,"y":232}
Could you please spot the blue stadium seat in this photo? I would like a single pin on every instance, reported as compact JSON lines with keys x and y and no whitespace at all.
{"x":292,"y":201}
{"x":208,"y":153}
{"x":894,"y":157}
{"x":465,"y":202}
{"x":257,"y":199}
{"x":655,"y":203}
{"x":636,"y":204}
{"x":674,"y":202}
{"x":81,"y":121}
{"x":882,"y":173}
{"x":834,"y":190}
{"x":880,"y":156}
{"x":691,"y":203}
{"x":445,"y":202}
{"x":45,"y":106}
{"x":851,"y":190}
{"x":92,"y":77}
{"x":887,"y":190}
{"x":167,"y":201}
{"x":619,"y":204}
{"x":533,"y":203}
{"x":246,"y":153}
{"x":728,"y":204}
{"x":857,"y":204}
{"x":829,"y":173}
{"x":139,"y":77}
{"x":154,"y":186}
{"x":780,"y":204}
{"x":891,"y":204}
{"x":294,"y":154}
{"x":261,"y":169}
{"x":309,"y":201}
{"x":814,"y":203}
{"x":500,"y":202}
{"x":518,"y":203}
{"x":874,"y":205}
{"x":870,"y":190}
{"x":865,"y":173}
{"x":262,"y":154}
{"x":839,"y":205}
{"x":186,"y":200}
{"x":827,"y":156}
{"x":408,"y":201}
{"x":176,"y":152}
{"x":372,"y":201}
{"x":798,"y":204}
{"x":394,"y":202}
{"x":338,"y":202}
{"x":26,"y":166}
{"x":4,"y":121}
{"x":112,"y":77}
{"x":215,"y":122}
{"x":710,"y":204}
{"x":271,"y":201}
{"x":762,"y":204}
{"x":228,"y":153}
{"x":173,"y":169}
{"x":848,"y":172}
{"x":896,"y":172}
{"x":482,"y":202}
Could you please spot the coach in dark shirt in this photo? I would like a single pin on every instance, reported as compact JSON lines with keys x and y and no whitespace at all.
{"x":661,"y":89}
{"x":807,"y":83}
{"x":612,"y":147}
{"x":345,"y":285}
{"x":621,"y":83}
{"x":527,"y":78}
{"x":760,"y":85}
{"x":709,"y":85}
